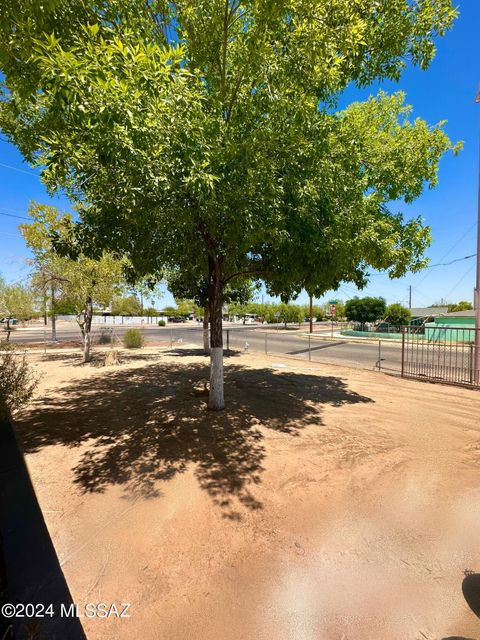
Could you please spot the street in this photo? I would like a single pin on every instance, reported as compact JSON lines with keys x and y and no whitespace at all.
{"x":249,"y":338}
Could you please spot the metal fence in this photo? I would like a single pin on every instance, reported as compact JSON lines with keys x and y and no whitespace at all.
{"x":118,"y":320}
{"x":436,"y":353}
{"x":441,"y":353}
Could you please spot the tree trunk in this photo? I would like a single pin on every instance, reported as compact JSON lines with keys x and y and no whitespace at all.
{"x":206,"y":333}
{"x":8,"y":330}
{"x":86,"y":330}
{"x":215,"y":294}
{"x":54,"y":317}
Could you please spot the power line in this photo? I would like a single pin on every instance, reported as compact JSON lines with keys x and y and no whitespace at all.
{"x":460,"y":281}
{"x":11,"y":215}
{"x":29,"y":173}
{"x":474,"y":224}
{"x":10,"y":210}
{"x":445,"y":264}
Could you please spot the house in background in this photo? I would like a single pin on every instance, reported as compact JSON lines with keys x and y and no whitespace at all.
{"x":457,"y":326}
{"x":421,"y":315}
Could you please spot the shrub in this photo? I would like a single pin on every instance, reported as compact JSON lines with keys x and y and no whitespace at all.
{"x":161,"y":323}
{"x":133,"y":339}
{"x":104,"y":337}
{"x":17,"y":382}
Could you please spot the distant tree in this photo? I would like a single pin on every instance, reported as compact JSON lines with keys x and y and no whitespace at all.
{"x":48,"y":277}
{"x":64,"y":307}
{"x":194,"y":286}
{"x":91,"y":282}
{"x":84,"y":281}
{"x":365,"y":309}
{"x":170,"y":311}
{"x":463,"y":305}
{"x":147,"y":288}
{"x":317,"y":310}
{"x":397,"y":315}
{"x":16,"y":302}
{"x":185,"y":307}
{"x":150,"y":311}
{"x":126,"y":306}
{"x":290,"y":313}
{"x":340,"y":309}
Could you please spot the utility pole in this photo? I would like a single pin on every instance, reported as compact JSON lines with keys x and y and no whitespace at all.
{"x":410,"y":297}
{"x":477,"y":285}
{"x":311,"y":314}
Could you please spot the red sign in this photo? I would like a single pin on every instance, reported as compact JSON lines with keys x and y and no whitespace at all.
{"x":333,"y":309}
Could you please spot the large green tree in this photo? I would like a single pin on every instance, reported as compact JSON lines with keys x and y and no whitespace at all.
{"x":203,"y":137}
{"x":397,"y":315}
{"x":364,"y":310}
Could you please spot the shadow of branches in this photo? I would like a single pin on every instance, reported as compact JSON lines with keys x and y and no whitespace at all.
{"x":145,"y":425}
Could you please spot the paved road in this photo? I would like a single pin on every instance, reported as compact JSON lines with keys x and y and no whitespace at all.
{"x":251,"y":338}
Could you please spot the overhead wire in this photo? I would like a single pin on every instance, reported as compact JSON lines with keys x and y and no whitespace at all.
{"x":12,"y":215}
{"x":9,"y":166}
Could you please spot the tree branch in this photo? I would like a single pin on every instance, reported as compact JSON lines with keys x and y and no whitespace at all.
{"x":255,"y":272}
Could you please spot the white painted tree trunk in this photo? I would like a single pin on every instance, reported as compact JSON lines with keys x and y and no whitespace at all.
{"x":216,"y":399}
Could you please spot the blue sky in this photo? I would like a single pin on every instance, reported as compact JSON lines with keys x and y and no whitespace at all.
{"x":446,"y":91}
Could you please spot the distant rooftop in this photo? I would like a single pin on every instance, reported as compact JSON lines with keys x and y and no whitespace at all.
{"x":428,"y":312}
{"x":470,"y":313}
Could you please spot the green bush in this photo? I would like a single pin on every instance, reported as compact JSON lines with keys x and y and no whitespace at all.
{"x":133,"y":339}
{"x":17,"y":382}
{"x":161,"y":323}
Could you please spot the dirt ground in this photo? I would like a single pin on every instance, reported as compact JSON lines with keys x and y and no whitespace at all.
{"x":324,"y":503}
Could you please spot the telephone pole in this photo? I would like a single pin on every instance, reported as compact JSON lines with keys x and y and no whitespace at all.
{"x":410,"y":297}
{"x":311,"y":314}
{"x":476,"y":297}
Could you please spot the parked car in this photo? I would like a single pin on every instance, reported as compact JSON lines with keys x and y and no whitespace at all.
{"x":176,"y":319}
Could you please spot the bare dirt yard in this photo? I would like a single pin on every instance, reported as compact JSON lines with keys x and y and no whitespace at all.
{"x":324,"y":503}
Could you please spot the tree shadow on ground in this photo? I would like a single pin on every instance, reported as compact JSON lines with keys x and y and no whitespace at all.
{"x":98,"y":357}
{"x":147,"y":424}
{"x":471,"y":593}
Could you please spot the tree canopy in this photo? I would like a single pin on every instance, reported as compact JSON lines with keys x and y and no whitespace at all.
{"x":397,"y":314}
{"x":203,"y":137}
{"x":365,"y":309}
{"x":85,"y":281}
{"x":463,"y":305}
{"x":16,"y":302}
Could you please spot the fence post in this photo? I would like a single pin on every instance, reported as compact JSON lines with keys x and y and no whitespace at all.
{"x":403,"y":351}
{"x":472,"y":362}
